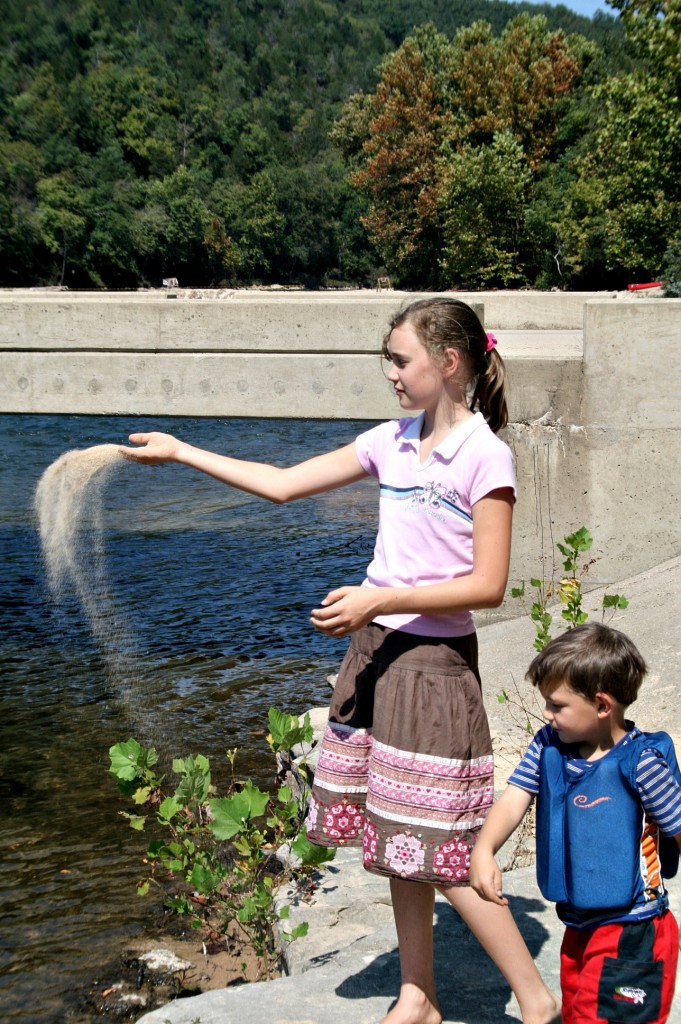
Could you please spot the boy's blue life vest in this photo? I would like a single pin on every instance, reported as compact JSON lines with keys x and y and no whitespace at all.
{"x":590,"y":825}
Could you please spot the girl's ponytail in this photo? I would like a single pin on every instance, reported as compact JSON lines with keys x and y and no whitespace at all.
{"x":489,"y":393}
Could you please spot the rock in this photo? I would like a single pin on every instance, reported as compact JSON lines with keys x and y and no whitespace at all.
{"x":164,"y":961}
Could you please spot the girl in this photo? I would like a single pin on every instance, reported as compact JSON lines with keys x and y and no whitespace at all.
{"x":405,"y":767}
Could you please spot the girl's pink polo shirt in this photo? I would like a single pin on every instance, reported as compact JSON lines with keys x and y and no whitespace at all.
{"x":425,"y":531}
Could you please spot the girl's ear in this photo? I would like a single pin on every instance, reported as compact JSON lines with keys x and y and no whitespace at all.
{"x":604,"y":704}
{"x":452,"y":362}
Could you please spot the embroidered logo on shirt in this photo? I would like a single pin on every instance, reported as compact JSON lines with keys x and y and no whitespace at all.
{"x":631,"y":995}
{"x":434,"y":495}
{"x":433,"y":499}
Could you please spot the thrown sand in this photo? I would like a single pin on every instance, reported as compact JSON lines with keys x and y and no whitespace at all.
{"x":67,"y":492}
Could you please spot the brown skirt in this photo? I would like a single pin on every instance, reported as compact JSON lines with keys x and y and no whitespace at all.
{"x":405,"y":766}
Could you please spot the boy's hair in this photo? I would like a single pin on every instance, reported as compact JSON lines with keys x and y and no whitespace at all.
{"x":591,"y":659}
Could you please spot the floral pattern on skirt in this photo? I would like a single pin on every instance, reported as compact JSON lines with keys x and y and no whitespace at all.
{"x":405,"y":766}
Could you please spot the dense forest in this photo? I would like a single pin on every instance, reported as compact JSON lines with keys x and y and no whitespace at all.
{"x":444,"y":143}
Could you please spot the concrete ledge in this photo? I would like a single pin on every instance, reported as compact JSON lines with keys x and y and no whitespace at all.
{"x":328,"y":386}
{"x":155,"y":325}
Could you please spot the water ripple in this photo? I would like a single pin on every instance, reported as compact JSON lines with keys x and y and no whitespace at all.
{"x":210,"y":592}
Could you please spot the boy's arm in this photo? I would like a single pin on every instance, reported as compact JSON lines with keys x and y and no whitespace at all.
{"x":503,"y":819}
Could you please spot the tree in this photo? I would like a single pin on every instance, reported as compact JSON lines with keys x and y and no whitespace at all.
{"x":410,"y":121}
{"x":482,"y":186}
{"x":441,"y":112}
{"x":629,"y":187}
{"x":61,"y":218}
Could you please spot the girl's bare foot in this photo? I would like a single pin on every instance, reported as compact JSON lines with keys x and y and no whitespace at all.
{"x":413,"y":1007}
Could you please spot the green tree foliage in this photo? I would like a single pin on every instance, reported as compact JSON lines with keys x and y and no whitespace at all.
{"x":624,"y":211}
{"x":187,"y":138}
{"x":449,"y":148}
{"x":201,"y":138}
{"x":482,"y":187}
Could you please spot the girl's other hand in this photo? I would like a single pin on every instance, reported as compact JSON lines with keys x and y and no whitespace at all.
{"x":158,"y":448}
{"x":345,"y":610}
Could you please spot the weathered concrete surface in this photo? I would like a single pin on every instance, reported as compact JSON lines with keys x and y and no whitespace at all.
{"x":331,"y":385}
{"x":513,"y":310}
{"x":613,"y":463}
{"x":250,"y":354}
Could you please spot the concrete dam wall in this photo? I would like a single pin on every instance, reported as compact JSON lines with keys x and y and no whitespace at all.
{"x":593,"y":379}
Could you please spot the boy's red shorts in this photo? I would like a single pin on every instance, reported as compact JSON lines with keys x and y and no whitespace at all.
{"x":620,"y":973}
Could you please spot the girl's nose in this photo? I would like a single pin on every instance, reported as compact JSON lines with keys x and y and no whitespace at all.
{"x":392,"y":373}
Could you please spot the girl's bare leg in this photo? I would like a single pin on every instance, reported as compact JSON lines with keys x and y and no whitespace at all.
{"x":498,"y":934}
{"x":413,"y":907}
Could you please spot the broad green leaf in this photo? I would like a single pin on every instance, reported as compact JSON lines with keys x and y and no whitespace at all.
{"x":204,"y":880}
{"x":168,"y":809}
{"x":125,"y":759}
{"x":135,"y":821}
{"x":309,"y":853}
{"x":231,"y":813}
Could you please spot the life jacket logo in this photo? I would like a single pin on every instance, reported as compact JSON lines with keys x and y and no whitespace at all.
{"x":631,"y":995}
{"x":581,"y":800}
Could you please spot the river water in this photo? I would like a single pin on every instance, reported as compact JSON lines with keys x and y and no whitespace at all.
{"x":211,"y":591}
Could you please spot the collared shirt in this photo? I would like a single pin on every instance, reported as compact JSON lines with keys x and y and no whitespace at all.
{"x":425,"y":532}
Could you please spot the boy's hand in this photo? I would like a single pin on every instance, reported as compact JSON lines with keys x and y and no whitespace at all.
{"x":485,"y":877}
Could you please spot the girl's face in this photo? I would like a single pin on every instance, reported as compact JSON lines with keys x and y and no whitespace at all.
{"x":418,"y":382}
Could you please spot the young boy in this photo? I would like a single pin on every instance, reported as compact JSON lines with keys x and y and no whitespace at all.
{"x":608,"y":828}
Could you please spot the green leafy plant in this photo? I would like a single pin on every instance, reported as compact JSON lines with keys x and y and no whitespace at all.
{"x":568,"y":590}
{"x":567,"y":593}
{"x":223,"y":850}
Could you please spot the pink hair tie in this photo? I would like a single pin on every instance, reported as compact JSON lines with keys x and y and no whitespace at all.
{"x":491,"y":341}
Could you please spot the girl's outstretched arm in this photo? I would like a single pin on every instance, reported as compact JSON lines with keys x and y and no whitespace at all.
{"x":348,"y":608}
{"x":322,"y":473}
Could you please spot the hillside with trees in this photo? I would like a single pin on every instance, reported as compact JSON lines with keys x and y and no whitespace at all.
{"x":446,"y":143}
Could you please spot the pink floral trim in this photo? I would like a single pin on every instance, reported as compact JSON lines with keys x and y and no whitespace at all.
{"x":491,"y":341}
{"x":311,"y":820}
{"x":453,"y":860}
{"x":369,"y":844}
{"x":404,"y":854}
{"x":427,"y":796}
{"x":343,"y":821}
{"x":433,"y":767}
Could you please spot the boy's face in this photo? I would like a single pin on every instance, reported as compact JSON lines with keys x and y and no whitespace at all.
{"x":574,"y":717}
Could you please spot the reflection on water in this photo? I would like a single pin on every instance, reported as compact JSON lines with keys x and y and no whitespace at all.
{"x":211,"y":592}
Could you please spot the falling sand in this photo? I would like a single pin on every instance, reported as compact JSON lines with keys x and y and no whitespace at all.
{"x":69,"y":491}
{"x":68,"y":504}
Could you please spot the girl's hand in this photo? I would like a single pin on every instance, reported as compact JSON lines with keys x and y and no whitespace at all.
{"x":345,"y":610}
{"x":158,"y":448}
{"x":485,"y":877}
